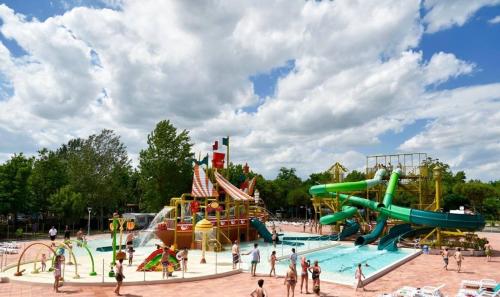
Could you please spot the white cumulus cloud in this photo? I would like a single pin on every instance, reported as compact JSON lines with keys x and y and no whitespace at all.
{"x":356,"y":76}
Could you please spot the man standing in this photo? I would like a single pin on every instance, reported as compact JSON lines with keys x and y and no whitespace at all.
{"x":274,"y":237}
{"x":445,"y":255}
{"x":459,"y":257}
{"x":52,"y":235}
{"x":293,"y":257}
{"x":235,"y":251}
{"x":255,"y":258}
{"x":67,"y":233}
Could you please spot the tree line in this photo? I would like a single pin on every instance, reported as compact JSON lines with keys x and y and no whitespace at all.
{"x":96,"y":172}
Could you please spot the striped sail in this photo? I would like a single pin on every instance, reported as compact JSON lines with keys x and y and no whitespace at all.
{"x":251,"y":186}
{"x":202,"y":187}
{"x":230,"y":189}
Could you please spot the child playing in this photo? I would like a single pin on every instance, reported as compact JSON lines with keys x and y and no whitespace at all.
{"x":272,"y":260}
{"x":358,"y":275}
{"x":130,"y":255}
{"x":44,"y":262}
{"x":165,"y":262}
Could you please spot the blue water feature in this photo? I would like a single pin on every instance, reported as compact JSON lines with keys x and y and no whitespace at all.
{"x":338,"y":264}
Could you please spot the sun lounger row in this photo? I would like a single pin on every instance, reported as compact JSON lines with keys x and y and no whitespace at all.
{"x":9,"y":248}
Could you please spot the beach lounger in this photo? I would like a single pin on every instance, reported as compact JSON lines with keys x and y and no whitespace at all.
{"x":489,"y":294}
{"x":431,"y":291}
{"x":427,"y":291}
{"x":405,"y":291}
{"x":481,"y":291}
{"x":482,"y":284}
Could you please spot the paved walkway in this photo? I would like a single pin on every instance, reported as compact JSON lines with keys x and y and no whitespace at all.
{"x":424,"y":270}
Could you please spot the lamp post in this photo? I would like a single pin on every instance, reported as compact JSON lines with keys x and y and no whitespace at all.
{"x":88,"y":230}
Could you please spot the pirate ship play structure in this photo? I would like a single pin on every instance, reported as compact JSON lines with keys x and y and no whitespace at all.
{"x":233,"y":213}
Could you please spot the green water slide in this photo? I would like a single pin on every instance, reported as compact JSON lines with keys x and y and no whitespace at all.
{"x":388,"y":210}
{"x":347,"y":211}
{"x":398,"y":232}
{"x":268,"y":237}
{"x":382,"y":219}
{"x":351,"y":228}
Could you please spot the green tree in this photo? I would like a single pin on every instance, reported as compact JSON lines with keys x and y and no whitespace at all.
{"x":491,"y":208}
{"x":318,"y":179}
{"x":48,"y":176}
{"x":355,"y":176}
{"x":475,"y":192}
{"x":165,"y":166}
{"x":235,"y":173}
{"x":67,"y":204}
{"x":454,"y":201}
{"x":15,"y":193}
{"x":96,"y":169}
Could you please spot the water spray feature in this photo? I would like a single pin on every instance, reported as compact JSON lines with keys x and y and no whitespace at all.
{"x":147,"y":233}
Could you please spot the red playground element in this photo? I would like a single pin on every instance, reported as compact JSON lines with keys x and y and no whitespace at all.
{"x":153,"y":261}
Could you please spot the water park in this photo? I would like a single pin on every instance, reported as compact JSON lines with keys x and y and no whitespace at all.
{"x":353,"y":223}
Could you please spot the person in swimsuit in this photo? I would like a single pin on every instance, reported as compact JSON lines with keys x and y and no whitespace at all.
{"x":255,"y":256}
{"x":272,"y":261}
{"x":184,"y":259}
{"x":315,"y":272}
{"x":445,"y":255}
{"x":57,"y":272}
{"x":291,"y":280}
{"x":130,"y":255}
{"x":259,"y":292}
{"x":303,"y":274}
{"x":488,"y":251}
{"x":274,"y":237}
{"x":130,"y":241}
{"x":67,"y":233}
{"x":119,"y":276}
{"x":235,"y":251}
{"x":459,"y":257}
{"x":164,"y":262}
{"x":293,"y":257}
{"x":358,"y":275}
{"x":44,"y":262}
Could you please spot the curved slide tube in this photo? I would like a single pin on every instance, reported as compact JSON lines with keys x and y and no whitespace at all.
{"x":409,"y":215}
{"x":268,"y":237}
{"x":347,"y":212}
{"x":390,"y":241}
{"x":350,"y":229}
{"x":382,"y":219}
{"x":321,"y":190}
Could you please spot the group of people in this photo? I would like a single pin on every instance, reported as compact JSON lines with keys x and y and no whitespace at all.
{"x":59,"y":258}
{"x":167,"y":267}
{"x":80,"y":235}
{"x":291,"y":277}
{"x":459,"y":257}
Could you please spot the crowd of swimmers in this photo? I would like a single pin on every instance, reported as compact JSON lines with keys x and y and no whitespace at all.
{"x":291,"y":276}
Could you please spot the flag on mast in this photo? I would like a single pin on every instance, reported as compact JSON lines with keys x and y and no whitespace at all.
{"x":215,"y":146}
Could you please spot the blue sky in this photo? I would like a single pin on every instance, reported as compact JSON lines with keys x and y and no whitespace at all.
{"x":235,"y":86}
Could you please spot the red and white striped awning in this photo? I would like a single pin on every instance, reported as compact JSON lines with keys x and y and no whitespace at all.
{"x":202,"y":187}
{"x":230,"y":189}
{"x":251,"y":186}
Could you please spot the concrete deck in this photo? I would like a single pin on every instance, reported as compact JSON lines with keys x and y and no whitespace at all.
{"x":421,"y":271}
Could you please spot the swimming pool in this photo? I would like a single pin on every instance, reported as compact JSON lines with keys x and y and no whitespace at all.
{"x":338,"y":264}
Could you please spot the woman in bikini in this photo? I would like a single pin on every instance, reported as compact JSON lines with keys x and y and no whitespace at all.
{"x":315,"y":272}
{"x":304,"y":275}
{"x":291,"y":280}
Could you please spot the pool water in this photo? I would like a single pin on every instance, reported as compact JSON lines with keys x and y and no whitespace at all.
{"x":338,"y":264}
